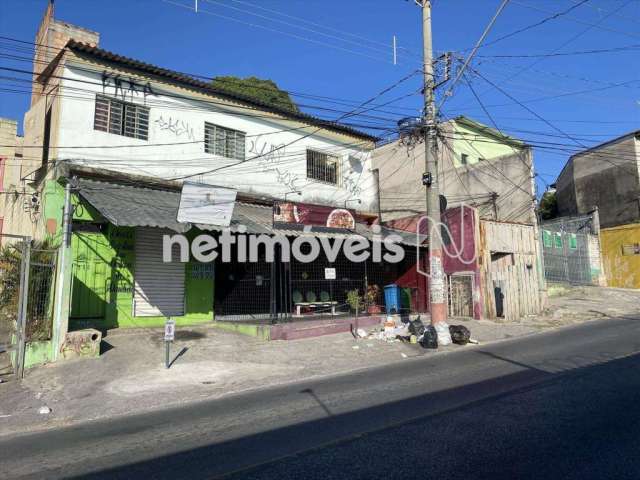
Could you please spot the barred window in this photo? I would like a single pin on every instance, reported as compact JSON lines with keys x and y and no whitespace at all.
{"x":121,"y":118}
{"x":224,"y":141}
{"x":322,"y":166}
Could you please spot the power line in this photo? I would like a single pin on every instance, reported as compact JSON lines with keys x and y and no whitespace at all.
{"x":534,"y":25}
{"x":194,"y":75}
{"x":253,"y":5}
{"x":386,"y":51}
{"x":583,"y":22}
{"x":573,"y":38}
{"x":273,"y":30}
{"x":372,"y":99}
{"x":301,"y":117}
{"x":627,"y":48}
{"x":282,"y":114}
{"x":473,"y":52}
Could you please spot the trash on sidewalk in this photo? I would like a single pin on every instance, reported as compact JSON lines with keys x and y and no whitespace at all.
{"x":44,"y":410}
{"x":390,"y":331}
{"x":361,"y":332}
{"x":403,"y":355}
{"x":416,"y":327}
{"x":474,"y":341}
{"x":460,"y":334}
{"x":444,"y":337}
{"x":429,"y":338}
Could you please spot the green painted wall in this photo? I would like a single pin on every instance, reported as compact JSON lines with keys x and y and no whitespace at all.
{"x":109,"y":258}
{"x":115,"y":252}
{"x":477,"y":145}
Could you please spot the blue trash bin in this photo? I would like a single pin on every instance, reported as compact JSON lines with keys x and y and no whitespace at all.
{"x":392,"y":298}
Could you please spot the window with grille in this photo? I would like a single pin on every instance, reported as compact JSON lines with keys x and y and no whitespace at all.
{"x":121,"y":118}
{"x":224,"y":141}
{"x":322,"y":166}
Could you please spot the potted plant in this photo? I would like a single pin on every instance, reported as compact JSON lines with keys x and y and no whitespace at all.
{"x":354,"y":300}
{"x":371,"y":297}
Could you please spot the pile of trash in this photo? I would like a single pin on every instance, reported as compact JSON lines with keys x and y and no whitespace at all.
{"x":414,"y":331}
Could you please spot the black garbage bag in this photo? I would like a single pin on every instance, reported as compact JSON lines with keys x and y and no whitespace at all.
{"x":459,"y":334}
{"x":416,"y":327}
{"x":429,"y":338}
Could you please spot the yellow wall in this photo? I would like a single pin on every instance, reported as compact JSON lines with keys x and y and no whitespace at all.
{"x":621,"y":270}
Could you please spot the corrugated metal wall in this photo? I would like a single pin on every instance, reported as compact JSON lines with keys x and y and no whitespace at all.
{"x":159,"y":286}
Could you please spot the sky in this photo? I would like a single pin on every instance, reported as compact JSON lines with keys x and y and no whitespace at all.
{"x":335,"y":54}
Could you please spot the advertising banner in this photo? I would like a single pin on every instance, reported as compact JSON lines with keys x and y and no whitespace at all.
{"x":314,"y":215}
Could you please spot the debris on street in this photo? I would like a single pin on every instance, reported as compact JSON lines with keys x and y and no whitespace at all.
{"x":459,"y":334}
{"x":415,"y":332}
{"x":444,"y":337}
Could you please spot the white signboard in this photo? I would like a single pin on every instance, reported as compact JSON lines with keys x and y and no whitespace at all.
{"x":169,"y":330}
{"x":329,"y":273}
{"x":437,"y":281}
{"x":206,"y":204}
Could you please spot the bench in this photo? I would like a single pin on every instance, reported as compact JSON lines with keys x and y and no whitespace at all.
{"x":299,"y":305}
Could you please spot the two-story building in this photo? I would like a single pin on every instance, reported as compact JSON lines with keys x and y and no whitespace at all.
{"x":606,"y":177}
{"x":117,"y":142}
{"x":492,"y":174}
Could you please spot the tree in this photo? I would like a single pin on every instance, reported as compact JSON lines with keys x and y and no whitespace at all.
{"x":548,"y":206}
{"x":265,"y":91}
{"x":40,"y":291}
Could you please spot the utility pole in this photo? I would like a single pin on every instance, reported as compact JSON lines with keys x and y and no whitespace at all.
{"x":437,"y":292}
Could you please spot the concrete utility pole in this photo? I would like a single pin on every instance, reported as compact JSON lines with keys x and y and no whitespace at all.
{"x":438,"y":308}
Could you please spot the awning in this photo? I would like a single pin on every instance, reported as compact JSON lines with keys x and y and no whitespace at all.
{"x":132,"y":205}
{"x":127,"y":205}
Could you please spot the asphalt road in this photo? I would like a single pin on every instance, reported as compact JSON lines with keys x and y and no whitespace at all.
{"x":562,"y":404}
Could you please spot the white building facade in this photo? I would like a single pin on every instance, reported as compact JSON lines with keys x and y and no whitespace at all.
{"x":122,"y":120}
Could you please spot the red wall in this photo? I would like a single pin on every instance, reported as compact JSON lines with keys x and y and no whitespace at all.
{"x":459,"y":252}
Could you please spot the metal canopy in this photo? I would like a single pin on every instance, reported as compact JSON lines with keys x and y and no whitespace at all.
{"x":136,"y":206}
{"x":129,"y":205}
{"x":133,"y":206}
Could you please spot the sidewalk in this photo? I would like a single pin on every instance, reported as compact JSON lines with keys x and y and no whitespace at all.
{"x":130,"y":376}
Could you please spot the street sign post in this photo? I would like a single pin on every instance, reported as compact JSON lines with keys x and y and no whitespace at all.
{"x":169,"y":335}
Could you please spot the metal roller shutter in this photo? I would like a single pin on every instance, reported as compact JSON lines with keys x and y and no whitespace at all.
{"x":159,"y":286}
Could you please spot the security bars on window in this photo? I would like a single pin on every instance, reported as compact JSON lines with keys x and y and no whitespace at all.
{"x":322,"y":166}
{"x":224,"y":141}
{"x":121,"y":118}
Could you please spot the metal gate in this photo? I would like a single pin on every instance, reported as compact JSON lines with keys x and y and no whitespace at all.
{"x":567,"y":257}
{"x":27,"y":280}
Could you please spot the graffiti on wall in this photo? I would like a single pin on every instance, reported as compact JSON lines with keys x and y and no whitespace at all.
{"x":125,"y":88}
{"x":271,"y":157}
{"x":352,"y":186}
{"x":177,"y":127}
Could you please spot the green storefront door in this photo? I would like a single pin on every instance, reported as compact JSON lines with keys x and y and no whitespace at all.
{"x":90,"y":267}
